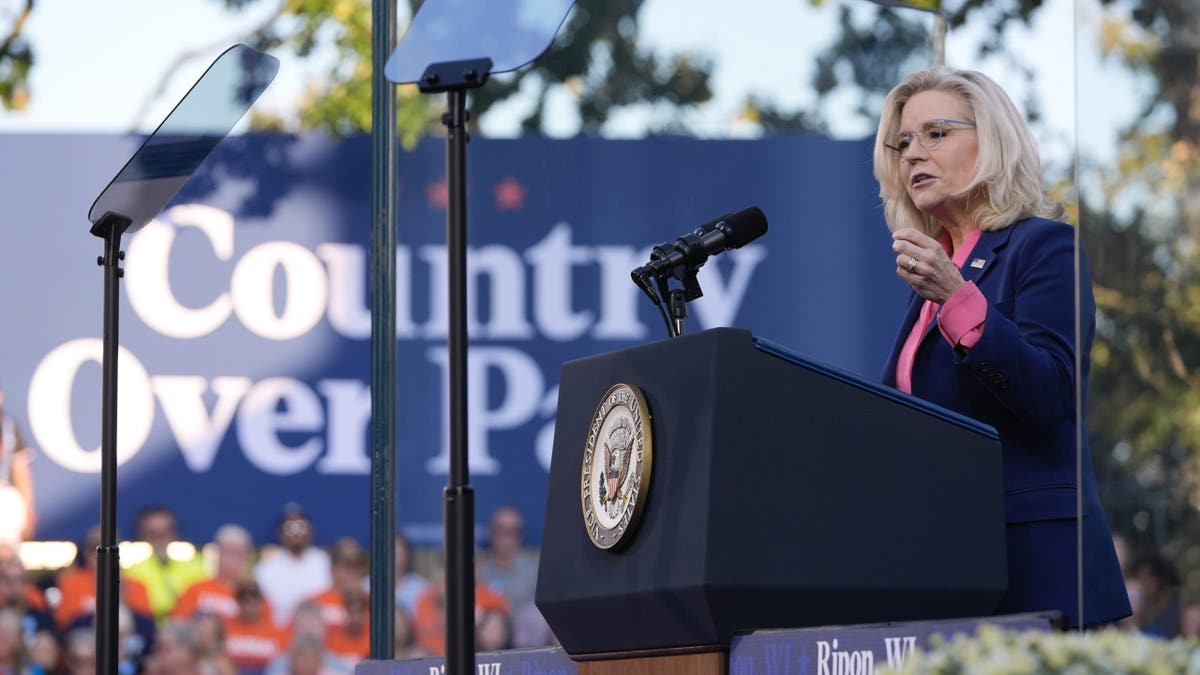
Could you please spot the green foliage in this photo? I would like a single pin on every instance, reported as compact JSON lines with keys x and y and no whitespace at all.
{"x":999,"y":652}
{"x":340,"y":102}
{"x":16,"y":60}
{"x":927,"y":5}
{"x":872,"y":56}
{"x":774,"y":120}
{"x":597,"y":58}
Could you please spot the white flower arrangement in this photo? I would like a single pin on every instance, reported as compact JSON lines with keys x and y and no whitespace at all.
{"x":993,"y":651}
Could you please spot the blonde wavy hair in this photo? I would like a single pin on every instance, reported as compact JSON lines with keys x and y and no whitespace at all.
{"x":1006,"y":185}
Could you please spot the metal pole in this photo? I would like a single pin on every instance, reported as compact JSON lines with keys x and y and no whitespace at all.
{"x":459,"y":496}
{"x":111,"y":228}
{"x":383,"y":334}
{"x":939,"y":39}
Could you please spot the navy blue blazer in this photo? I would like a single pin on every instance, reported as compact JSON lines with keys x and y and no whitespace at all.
{"x":1020,"y":378}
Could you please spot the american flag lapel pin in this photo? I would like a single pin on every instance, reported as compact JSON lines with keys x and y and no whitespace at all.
{"x":977,"y":263}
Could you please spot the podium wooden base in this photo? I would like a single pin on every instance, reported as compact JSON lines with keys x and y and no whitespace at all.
{"x":691,"y":661}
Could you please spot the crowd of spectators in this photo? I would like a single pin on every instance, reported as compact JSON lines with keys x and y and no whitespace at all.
{"x":293,"y":607}
{"x":289,"y":607}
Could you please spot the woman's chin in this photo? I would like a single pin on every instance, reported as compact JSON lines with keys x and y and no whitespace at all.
{"x":942,"y":211}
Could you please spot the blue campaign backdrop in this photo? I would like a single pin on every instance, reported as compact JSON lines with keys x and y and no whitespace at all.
{"x":245,"y":321}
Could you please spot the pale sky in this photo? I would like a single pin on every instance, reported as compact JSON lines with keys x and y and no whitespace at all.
{"x":99,"y":61}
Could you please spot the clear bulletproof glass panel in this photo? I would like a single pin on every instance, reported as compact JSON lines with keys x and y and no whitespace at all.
{"x":773,"y":105}
{"x":201,"y":119}
{"x":671,"y":115}
{"x":1138,"y":208}
{"x":509,"y":32}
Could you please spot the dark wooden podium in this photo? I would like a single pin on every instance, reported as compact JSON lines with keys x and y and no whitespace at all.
{"x":783,"y":493}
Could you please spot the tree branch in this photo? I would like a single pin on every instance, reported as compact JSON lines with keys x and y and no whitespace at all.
{"x":1146,"y":372}
{"x":18,"y":26}
{"x":1173,"y":356}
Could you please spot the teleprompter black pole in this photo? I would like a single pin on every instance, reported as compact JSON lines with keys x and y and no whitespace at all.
{"x":459,"y":495}
{"x":383,"y":334}
{"x":110,"y":227}
{"x":456,"y":78}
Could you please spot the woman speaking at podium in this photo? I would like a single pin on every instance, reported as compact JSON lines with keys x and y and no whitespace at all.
{"x":990,"y":327}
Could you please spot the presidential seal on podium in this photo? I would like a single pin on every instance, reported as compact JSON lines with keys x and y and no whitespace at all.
{"x":616,"y":466}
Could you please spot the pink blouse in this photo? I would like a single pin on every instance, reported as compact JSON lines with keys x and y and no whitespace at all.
{"x":960,"y":320}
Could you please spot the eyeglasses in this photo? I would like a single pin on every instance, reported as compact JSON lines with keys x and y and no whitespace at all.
{"x":296,"y":527}
{"x":930,"y":135}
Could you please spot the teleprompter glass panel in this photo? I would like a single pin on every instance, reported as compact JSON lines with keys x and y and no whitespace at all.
{"x":509,"y":32}
{"x":169,"y":156}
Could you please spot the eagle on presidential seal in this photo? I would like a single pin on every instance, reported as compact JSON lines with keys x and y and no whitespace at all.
{"x":617,"y":460}
{"x":617,"y":448}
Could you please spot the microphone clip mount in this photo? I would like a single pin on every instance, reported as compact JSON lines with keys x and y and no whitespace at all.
{"x":662,"y":273}
{"x":682,"y":259}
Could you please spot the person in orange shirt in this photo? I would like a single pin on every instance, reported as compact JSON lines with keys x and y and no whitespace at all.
{"x":77,"y":586}
{"x":347,"y":573}
{"x":429,"y":621}
{"x":493,"y":631}
{"x":235,"y":555}
{"x":351,"y":641}
{"x":252,"y":640}
{"x":308,"y":635}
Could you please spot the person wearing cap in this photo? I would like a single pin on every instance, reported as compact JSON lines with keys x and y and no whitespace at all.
{"x":297,"y":570}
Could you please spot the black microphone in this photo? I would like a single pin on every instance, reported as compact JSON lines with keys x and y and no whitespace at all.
{"x":732,"y":230}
